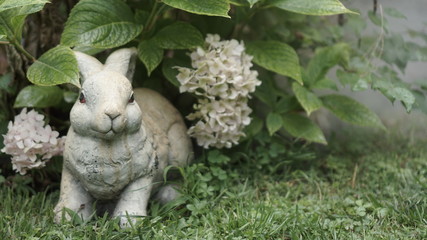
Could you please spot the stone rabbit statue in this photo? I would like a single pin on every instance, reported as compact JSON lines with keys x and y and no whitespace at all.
{"x":119,"y":142}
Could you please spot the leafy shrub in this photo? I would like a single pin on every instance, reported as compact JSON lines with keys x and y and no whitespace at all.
{"x":294,"y":44}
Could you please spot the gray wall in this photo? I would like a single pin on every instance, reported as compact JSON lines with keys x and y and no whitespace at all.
{"x":394,"y":115}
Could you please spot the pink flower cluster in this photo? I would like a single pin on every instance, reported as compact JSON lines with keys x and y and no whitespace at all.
{"x":30,"y":142}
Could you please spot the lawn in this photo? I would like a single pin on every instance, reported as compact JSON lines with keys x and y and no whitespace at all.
{"x":369,"y":187}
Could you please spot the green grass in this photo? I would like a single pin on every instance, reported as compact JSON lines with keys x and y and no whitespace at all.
{"x":367,"y":188}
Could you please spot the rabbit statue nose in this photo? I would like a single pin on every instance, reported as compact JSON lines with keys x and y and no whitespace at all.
{"x":112,"y":111}
{"x":113,"y":114}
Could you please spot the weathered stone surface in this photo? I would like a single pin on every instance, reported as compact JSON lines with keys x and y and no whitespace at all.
{"x":119,"y":142}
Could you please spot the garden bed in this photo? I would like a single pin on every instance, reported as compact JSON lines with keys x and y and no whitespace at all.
{"x":367,"y":188}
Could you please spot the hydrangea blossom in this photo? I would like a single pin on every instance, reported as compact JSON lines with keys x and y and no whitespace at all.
{"x":220,"y":123}
{"x":223,"y":79}
{"x":30,"y":143}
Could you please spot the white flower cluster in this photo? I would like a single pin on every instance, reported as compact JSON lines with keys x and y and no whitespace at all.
{"x":223,"y":80}
{"x":30,"y":143}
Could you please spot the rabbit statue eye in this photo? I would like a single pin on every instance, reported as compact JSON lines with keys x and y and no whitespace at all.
{"x":82,"y":98}
{"x":131,"y":98}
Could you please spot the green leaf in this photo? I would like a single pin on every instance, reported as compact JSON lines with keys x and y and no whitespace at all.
{"x":6,"y":83}
{"x":274,"y":122}
{"x":12,"y":20}
{"x":393,"y":12}
{"x":38,"y":96}
{"x":390,"y":86}
{"x":357,"y":81}
{"x":351,"y":111}
{"x":324,"y":59}
{"x":277,"y":57}
{"x":150,"y":54}
{"x":325,"y":83}
{"x":287,"y":104}
{"x":238,"y":3}
{"x":179,"y":35}
{"x":421,"y":102}
{"x":13,"y":14}
{"x":361,"y":85}
{"x":311,"y":7}
{"x":302,"y":127}
{"x":205,"y":7}
{"x":254,"y":127}
{"x":309,"y":101}
{"x":27,"y":6}
{"x":141,"y":16}
{"x":3,"y":130}
{"x":380,"y":22}
{"x":265,"y":92}
{"x":100,"y":25}
{"x":56,"y":66}
{"x":252,"y":2}
{"x":403,"y":95}
{"x":216,"y":157}
{"x":88,"y":50}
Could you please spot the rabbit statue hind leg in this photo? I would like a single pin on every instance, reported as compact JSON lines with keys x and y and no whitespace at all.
{"x":170,"y":133}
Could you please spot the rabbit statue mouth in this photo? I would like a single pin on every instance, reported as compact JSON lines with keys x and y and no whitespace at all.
{"x":110,"y":134}
{"x":109,"y":129}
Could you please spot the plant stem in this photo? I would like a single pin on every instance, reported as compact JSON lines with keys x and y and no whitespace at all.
{"x":151,"y":16}
{"x":152,"y":13}
{"x":155,"y":11}
{"x":21,"y":49}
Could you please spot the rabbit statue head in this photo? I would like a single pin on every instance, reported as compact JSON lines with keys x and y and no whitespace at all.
{"x":106,"y":107}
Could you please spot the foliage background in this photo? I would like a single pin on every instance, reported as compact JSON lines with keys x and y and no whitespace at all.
{"x":293,"y":47}
{"x":275,"y":183}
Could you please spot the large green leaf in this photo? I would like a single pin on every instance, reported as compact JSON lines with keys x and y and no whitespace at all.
{"x":309,"y":101}
{"x":38,"y":96}
{"x":24,"y":6}
{"x":324,"y":59}
{"x":205,"y":7}
{"x":311,"y":7}
{"x":274,"y":122}
{"x":13,"y":14}
{"x":302,"y":127}
{"x":277,"y":57}
{"x":351,"y":111}
{"x":150,"y":54}
{"x":56,"y":66}
{"x":179,"y":35}
{"x":105,"y":24}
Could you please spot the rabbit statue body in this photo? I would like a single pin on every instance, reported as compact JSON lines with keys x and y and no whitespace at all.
{"x":120,"y":141}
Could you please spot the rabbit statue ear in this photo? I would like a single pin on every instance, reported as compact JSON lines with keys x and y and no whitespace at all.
{"x":122,"y":61}
{"x":88,"y":65}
